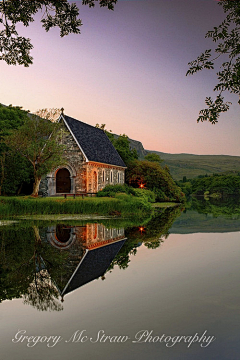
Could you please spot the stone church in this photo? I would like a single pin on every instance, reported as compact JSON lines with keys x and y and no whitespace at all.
{"x":92,"y":162}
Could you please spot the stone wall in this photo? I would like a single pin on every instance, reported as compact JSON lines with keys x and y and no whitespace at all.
{"x":106,"y":175}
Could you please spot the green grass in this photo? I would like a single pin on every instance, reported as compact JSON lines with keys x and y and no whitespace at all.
{"x":129,"y":206}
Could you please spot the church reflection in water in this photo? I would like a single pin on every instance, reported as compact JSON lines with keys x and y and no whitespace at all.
{"x":91,"y":249}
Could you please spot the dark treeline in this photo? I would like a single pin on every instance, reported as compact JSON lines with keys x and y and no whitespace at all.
{"x":217,"y":184}
{"x":16,"y":174}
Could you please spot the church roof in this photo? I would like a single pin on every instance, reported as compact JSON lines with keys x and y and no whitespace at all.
{"x":93,"y":265}
{"x":94,"y":142}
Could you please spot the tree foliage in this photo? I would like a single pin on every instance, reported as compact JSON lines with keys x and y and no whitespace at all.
{"x":15,"y":49}
{"x":17,"y":175}
{"x":51,"y":114}
{"x":14,"y":170}
{"x":113,"y":190}
{"x":153,"y":177}
{"x":153,"y":157}
{"x":11,"y":117}
{"x":122,"y":145}
{"x":223,"y":184}
{"x":38,"y":141}
{"x":227,"y":39}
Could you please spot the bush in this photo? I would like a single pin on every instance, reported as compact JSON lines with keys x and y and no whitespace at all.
{"x":122,"y":191}
{"x":112,"y":190}
{"x":155,"y":178}
{"x":148,"y":195}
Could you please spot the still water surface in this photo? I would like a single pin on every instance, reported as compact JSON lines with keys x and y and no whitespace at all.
{"x":166,"y":289}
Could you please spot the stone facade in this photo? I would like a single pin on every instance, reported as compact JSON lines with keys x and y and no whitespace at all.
{"x":89,"y":236}
{"x":85,"y":176}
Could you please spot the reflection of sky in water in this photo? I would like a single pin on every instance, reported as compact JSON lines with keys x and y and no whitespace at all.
{"x":187,"y":285}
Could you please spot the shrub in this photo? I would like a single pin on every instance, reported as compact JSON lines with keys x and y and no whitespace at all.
{"x":112,"y":190}
{"x":121,"y":191}
{"x":148,"y":195}
{"x":155,"y":178}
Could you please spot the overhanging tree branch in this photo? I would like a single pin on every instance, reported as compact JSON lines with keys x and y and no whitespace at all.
{"x":227,"y":37}
{"x":15,"y":49}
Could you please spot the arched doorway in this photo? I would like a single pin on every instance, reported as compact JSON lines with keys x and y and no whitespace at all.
{"x":63,"y":233}
{"x":63,"y":181}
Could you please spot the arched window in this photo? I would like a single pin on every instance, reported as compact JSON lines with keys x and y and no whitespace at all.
{"x":103,"y":176}
{"x":111,"y":176}
{"x":95,"y":182}
{"x":118,"y":177}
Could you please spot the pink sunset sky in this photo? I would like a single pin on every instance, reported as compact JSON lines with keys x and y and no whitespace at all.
{"x":127,"y":70}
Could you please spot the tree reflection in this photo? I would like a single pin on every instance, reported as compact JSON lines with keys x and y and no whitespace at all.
{"x":42,"y":293}
{"x":228,"y":206}
{"x":26,"y":264}
{"x":152,"y":234}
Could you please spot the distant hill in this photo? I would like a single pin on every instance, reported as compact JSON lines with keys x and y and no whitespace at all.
{"x":191,"y":165}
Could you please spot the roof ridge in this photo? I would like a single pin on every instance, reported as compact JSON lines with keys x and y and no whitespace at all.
{"x":83,"y":123}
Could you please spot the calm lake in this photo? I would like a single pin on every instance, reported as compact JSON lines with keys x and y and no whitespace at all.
{"x":166,"y":288}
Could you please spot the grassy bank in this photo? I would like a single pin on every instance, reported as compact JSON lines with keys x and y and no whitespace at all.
{"x":164,"y":204}
{"x":129,"y":206}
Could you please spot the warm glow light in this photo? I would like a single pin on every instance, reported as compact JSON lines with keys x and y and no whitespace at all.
{"x":141,"y":186}
{"x":141,"y":229}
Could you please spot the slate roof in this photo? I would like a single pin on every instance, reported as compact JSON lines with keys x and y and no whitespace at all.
{"x":94,"y":143}
{"x":93,"y":265}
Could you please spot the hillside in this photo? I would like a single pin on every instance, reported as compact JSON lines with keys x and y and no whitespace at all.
{"x":191,"y":165}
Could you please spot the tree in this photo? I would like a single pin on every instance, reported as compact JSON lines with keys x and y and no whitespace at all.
{"x":227,"y":39}
{"x":11,"y":118}
{"x":153,"y":157}
{"x":152,"y":176}
{"x":15,"y":49}
{"x":38,"y":141}
{"x":121,"y":144}
{"x":17,"y":176}
{"x":52,"y":114}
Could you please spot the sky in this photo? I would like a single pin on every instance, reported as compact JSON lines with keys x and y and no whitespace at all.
{"x":127,"y":69}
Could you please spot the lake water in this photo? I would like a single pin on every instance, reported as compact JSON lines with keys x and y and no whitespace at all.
{"x":167,"y":288}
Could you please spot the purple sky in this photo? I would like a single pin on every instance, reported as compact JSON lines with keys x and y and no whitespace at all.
{"x":127,"y":70}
